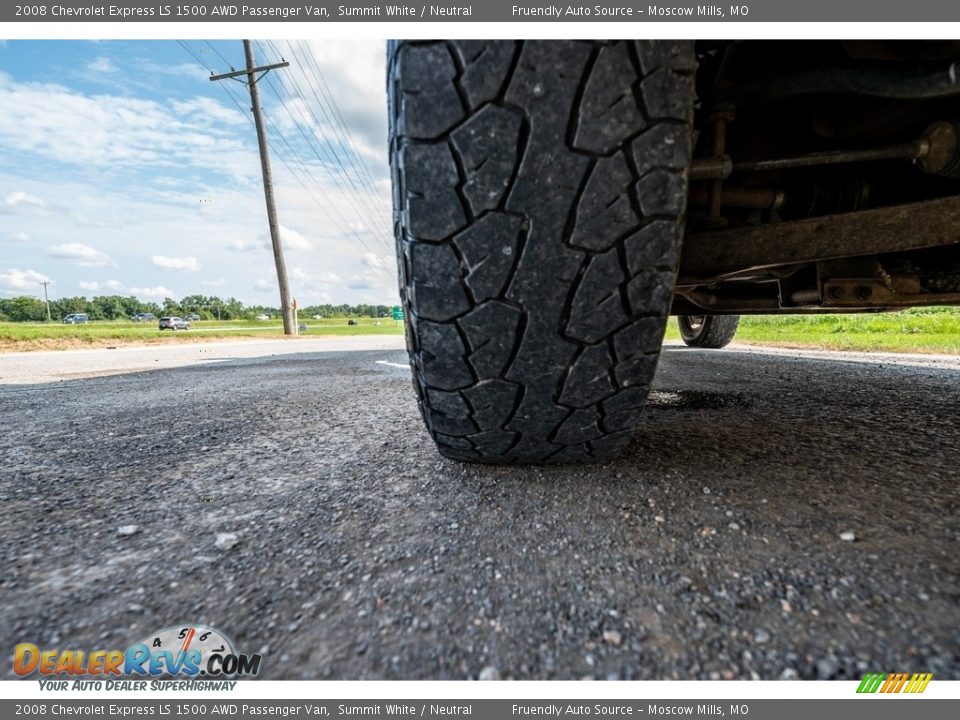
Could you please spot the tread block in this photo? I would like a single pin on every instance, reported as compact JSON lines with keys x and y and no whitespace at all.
{"x":675,"y":55}
{"x":659,"y":91}
{"x":446,"y":367}
{"x":489,"y":248}
{"x":494,"y":442}
{"x":605,"y":212}
{"x":457,"y":443}
{"x":608,"y":111}
{"x":436,"y":293}
{"x":449,"y":413}
{"x":662,"y":192}
{"x":649,"y":288}
{"x":429,"y":98}
{"x":622,"y":411}
{"x":432,"y":208}
{"x":611,"y":444}
{"x":492,"y":401}
{"x":636,"y":372}
{"x":487,"y":143}
{"x":589,"y":379}
{"x":597,"y":308}
{"x":485,"y":64}
{"x":545,"y":85}
{"x":491,"y":330}
{"x":581,"y":426}
{"x":639,"y":337}
{"x":662,"y":146}
{"x":534,"y":414}
{"x":657,"y":244}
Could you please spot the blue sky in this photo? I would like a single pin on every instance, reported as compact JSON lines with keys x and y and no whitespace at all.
{"x":124,"y":170}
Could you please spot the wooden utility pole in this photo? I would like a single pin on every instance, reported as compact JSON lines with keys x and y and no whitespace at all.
{"x":46,"y":299}
{"x":286,"y":305}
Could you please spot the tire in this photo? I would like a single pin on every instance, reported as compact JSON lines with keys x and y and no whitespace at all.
{"x":708,"y":331}
{"x":539,"y":195}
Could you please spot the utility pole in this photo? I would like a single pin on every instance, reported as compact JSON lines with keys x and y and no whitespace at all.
{"x":46,"y":299}
{"x":286,"y":306}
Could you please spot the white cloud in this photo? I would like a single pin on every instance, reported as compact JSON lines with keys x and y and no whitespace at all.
{"x":114,"y":287}
{"x":361,"y":282}
{"x":301,"y":276}
{"x":293,"y":240}
{"x":119,"y":131}
{"x":219,"y":282}
{"x":379,"y":262}
{"x":175,"y":263}
{"x":79,"y":254}
{"x":158,"y":292}
{"x":101,"y":65}
{"x":353,"y":74}
{"x":19,"y":197}
{"x":240,"y":245}
{"x":207,"y":110}
{"x":19,"y":237}
{"x":14,"y":282}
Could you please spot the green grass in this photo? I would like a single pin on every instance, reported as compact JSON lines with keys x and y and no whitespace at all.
{"x":918,"y":330}
{"x":923,"y":330}
{"x":43,"y":336}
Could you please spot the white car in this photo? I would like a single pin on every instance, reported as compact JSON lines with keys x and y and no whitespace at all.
{"x":261,"y":316}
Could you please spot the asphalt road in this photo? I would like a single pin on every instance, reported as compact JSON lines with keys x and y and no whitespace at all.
{"x":350,"y":549}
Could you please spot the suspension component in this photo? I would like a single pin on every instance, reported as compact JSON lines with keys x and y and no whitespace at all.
{"x":937,"y":151}
{"x":943,"y":156}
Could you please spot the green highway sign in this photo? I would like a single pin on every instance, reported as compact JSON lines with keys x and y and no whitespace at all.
{"x":397,"y":312}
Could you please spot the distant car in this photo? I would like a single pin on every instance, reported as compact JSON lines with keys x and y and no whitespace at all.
{"x":174,"y":323}
{"x":144,"y":317}
{"x":192,"y":317}
{"x":76,"y":319}
{"x":318,"y":317}
{"x":261,"y":316}
{"x":352,"y":322}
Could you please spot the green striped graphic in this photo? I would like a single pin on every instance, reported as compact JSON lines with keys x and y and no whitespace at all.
{"x":871,"y":682}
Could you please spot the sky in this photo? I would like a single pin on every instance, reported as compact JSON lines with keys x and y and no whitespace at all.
{"x":125,"y":170}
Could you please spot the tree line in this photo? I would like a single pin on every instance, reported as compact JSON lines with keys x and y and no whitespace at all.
{"x":208,"y":307}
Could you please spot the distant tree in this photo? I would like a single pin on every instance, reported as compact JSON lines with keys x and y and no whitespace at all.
{"x":171,"y":307}
{"x":111,"y":307}
{"x":66,"y":306}
{"x":108,"y":307}
{"x":25,"y":309}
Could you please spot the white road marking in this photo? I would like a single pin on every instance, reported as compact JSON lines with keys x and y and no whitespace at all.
{"x":392,"y":364}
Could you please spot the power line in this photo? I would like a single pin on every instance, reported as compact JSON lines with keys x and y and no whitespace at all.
{"x":346,"y":230}
{"x":331,"y":151}
{"x":195,"y":56}
{"x":330,"y":110}
{"x":351,"y":142}
{"x":357,"y":203}
{"x":332,"y":123}
{"x":219,"y":54}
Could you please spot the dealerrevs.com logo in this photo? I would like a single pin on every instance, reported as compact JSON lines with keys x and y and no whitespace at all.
{"x":191,"y":651}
